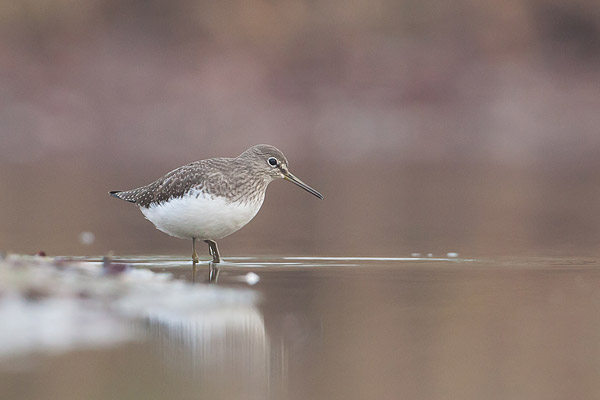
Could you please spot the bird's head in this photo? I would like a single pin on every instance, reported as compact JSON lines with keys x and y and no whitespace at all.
{"x":271,"y":162}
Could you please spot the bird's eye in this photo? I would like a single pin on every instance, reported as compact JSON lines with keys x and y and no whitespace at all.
{"x":273,"y":161}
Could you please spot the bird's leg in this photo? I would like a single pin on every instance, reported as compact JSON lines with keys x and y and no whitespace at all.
{"x":214,"y":250}
{"x":194,"y":254}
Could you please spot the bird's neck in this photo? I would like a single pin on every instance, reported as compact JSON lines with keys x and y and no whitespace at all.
{"x":245,"y":185}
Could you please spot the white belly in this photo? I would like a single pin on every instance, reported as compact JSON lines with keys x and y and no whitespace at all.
{"x":201,"y":216}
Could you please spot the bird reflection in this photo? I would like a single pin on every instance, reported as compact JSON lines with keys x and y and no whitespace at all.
{"x":213,"y":272}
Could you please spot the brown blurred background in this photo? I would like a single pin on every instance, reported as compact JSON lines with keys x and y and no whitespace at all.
{"x":429,"y":126}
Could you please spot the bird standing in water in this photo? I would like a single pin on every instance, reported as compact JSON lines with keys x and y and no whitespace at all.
{"x":210,"y":199}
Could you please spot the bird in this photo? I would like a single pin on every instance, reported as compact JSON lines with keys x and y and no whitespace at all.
{"x":210,"y":199}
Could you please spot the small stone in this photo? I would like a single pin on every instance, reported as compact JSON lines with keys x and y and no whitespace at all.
{"x":252,"y":278}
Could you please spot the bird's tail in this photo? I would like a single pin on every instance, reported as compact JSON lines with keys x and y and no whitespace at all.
{"x":127,"y":196}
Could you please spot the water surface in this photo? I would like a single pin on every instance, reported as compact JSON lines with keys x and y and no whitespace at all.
{"x":344,"y":328}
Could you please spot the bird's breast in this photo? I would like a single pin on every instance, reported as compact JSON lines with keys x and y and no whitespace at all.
{"x":200,"y":215}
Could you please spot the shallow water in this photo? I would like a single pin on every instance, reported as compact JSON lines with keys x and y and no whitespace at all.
{"x":344,"y":328}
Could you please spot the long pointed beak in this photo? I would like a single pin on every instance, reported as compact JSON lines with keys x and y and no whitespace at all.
{"x":288,"y":176}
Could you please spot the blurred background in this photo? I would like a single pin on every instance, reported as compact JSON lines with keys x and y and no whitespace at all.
{"x":429,"y":126}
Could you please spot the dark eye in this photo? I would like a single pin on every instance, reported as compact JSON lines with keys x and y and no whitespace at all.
{"x":273,"y":161}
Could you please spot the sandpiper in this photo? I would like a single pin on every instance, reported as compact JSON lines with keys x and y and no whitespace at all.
{"x":210,"y":199}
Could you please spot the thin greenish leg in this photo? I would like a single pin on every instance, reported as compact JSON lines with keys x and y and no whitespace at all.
{"x":214,"y":250}
{"x":194,"y":254}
